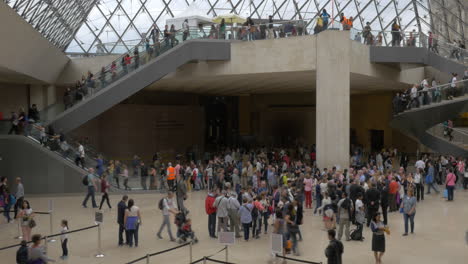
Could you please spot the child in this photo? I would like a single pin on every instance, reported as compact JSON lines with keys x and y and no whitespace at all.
{"x":187,"y":230}
{"x":22,"y":253}
{"x":64,"y":239}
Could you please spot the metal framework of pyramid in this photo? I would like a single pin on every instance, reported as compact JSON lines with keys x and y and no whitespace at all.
{"x":115,"y":26}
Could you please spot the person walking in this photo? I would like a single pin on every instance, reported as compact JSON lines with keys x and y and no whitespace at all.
{"x":221,"y":204}
{"x":408,"y":206}
{"x":430,"y":179}
{"x":143,"y":176}
{"x":104,"y":188}
{"x":36,"y":252}
{"x":19,"y":195}
{"x":121,"y":207}
{"x":132,"y":222}
{"x":292,"y":227}
{"x":378,"y":237}
{"x":181,"y":194}
{"x":418,"y":180}
{"x":26,"y":216}
{"x":167,"y":209}
{"x":308,"y":185}
{"x":245,"y":213}
{"x":450,"y":184}
{"x":345,"y":207}
{"x":64,"y":239}
{"x":211,"y":212}
{"x":334,"y":250}
{"x":91,"y":185}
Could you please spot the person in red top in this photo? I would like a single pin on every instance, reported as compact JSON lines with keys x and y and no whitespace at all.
{"x":104,"y":187}
{"x":211,"y":212}
{"x":392,"y":191}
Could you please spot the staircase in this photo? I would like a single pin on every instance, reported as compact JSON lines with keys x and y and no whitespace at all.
{"x":130,"y":82}
{"x":416,"y":122}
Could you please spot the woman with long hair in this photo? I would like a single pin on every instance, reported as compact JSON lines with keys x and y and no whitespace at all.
{"x":132,"y":222}
{"x":26,"y":217}
{"x":378,"y":237}
{"x":104,"y":188}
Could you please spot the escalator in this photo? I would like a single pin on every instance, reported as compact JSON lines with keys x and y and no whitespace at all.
{"x":415,"y":123}
{"x":133,"y":78}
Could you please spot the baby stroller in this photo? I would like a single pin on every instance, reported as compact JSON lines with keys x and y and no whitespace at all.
{"x":184,"y":229}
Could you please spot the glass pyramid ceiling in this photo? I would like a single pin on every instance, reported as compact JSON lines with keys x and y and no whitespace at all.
{"x":114,"y":26}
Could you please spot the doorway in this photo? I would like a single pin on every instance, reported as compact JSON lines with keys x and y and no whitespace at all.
{"x":377,"y":139}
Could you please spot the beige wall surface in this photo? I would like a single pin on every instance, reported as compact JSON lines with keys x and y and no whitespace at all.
{"x":80,"y":66}
{"x":25,"y":51}
{"x":13,"y":97}
{"x":127,"y":129}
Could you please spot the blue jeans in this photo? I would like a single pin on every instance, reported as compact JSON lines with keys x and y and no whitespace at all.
{"x":246,"y":230}
{"x":131,"y":234}
{"x":431,"y":185}
{"x":411,"y":219}
{"x":90,"y":193}
{"x":450,"y":192}
{"x":318,"y":204}
{"x":6,"y":212}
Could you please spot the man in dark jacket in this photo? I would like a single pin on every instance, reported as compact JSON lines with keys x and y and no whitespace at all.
{"x":143,"y":175}
{"x":120,"y":219}
{"x":334,"y":249}
{"x":181,"y":194}
{"x":22,"y":253}
{"x":372,"y":201}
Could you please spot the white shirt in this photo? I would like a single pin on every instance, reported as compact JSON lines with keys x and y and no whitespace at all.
{"x":81,"y":151}
{"x":420,"y":164}
{"x":359,"y":205}
{"x":185,"y":26}
{"x":64,"y":236}
{"x":167,"y":204}
{"x":209,"y":172}
{"x":454,"y":80}
{"x":417,"y":178}
{"x":425,"y":84}
{"x":414,"y":92}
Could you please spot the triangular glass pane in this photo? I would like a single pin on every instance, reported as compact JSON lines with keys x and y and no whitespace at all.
{"x":143,"y":21}
{"x":119,"y":21}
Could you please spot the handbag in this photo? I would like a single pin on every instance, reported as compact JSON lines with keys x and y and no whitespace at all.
{"x":32,"y":223}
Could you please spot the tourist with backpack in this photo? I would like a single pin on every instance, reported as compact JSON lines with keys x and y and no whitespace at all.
{"x":37,"y":254}
{"x":166,"y":205}
{"x":90,"y":182}
{"x":245,"y":214}
{"x":345,"y":207}
{"x":22,"y":253}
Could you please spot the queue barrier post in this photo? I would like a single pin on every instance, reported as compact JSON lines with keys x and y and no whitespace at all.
{"x":45,"y":244}
{"x":51,"y":227}
{"x":204,"y":260}
{"x":226,"y":253}
{"x":99,"y":254}
{"x":147,"y":259}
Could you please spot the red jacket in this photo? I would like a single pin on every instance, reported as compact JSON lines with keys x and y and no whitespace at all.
{"x":209,"y":208}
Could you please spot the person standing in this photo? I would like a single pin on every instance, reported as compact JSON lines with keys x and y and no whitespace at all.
{"x":378,"y":237}
{"x":80,"y":158}
{"x":167,"y":208}
{"x":143,"y":176}
{"x":64,"y":239}
{"x":122,"y":206}
{"x":308,"y":185}
{"x":132,"y":222}
{"x":450,"y":183}
{"x":105,"y":195}
{"x":245,"y":214}
{"x":292,"y":227}
{"x":419,"y":184}
{"x":19,"y":195}
{"x":221,"y":204}
{"x":373,"y":200}
{"x":26,"y":216}
{"x":211,"y":212}
{"x":91,"y":185}
{"x":185,"y":28}
{"x":181,"y":194}
{"x":233,"y":209}
{"x":345,"y":207}
{"x":171,"y":176}
{"x":408,"y":206}
{"x":334,"y":250}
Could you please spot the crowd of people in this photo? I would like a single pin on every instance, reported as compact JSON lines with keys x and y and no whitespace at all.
{"x":427,"y":92}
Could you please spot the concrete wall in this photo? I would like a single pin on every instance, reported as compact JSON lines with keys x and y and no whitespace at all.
{"x":25,"y":51}
{"x":42,"y":171}
{"x":13,"y":97}
{"x":129,"y":129}
{"x":80,"y":66}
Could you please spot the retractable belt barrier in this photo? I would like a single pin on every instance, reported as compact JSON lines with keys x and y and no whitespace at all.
{"x":205,"y":258}
{"x":54,"y":235}
{"x":43,"y":213}
{"x":298,"y":260}
{"x":158,"y":253}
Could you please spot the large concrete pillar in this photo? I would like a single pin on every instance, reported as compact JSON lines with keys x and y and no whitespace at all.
{"x":333,"y":99}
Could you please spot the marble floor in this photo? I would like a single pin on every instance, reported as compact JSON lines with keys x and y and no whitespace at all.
{"x":439,"y":236}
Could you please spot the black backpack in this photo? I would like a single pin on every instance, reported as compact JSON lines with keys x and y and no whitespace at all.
{"x":161,"y":204}
{"x":85,"y":180}
{"x":346,"y":204}
{"x":356,"y":235}
{"x":254,"y":212}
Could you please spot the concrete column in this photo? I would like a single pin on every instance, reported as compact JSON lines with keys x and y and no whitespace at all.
{"x":51,"y":94}
{"x":333,"y":99}
{"x":244,"y":115}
